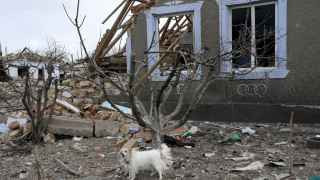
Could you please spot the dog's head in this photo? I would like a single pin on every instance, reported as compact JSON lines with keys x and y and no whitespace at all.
{"x":125,"y":155}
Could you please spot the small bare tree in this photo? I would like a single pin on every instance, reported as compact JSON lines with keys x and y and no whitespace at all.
{"x":38,"y":89}
{"x":36,"y":97}
{"x":37,"y":103}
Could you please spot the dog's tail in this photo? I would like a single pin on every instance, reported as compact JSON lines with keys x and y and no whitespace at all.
{"x":165,"y":149}
{"x":166,"y":155}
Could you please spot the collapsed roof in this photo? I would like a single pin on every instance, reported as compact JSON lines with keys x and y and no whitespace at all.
{"x":174,"y":33}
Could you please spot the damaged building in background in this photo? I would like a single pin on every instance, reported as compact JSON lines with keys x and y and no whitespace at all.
{"x":17,"y":65}
{"x":3,"y":74}
{"x":283,"y":35}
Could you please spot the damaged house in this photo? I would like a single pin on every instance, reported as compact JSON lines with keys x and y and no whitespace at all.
{"x":3,"y":74}
{"x":280,"y":66}
{"x":26,"y":61}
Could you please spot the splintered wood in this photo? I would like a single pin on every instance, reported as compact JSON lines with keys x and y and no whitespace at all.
{"x":173,"y":30}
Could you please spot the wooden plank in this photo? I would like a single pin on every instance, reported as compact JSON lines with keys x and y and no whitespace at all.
{"x":109,"y":35}
{"x":108,"y":48}
{"x":114,"y":11}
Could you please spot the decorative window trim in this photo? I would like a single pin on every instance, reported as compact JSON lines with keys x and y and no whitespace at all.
{"x":152,"y":16}
{"x":129,"y":51}
{"x":225,"y":14}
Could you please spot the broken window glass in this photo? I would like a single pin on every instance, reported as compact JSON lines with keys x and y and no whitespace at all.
{"x":265,"y":35}
{"x":253,"y":36}
{"x":175,"y":34}
{"x":241,"y":37}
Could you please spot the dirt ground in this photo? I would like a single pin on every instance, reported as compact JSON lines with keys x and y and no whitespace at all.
{"x":96,"y":159}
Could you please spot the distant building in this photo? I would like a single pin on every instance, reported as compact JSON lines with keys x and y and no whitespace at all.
{"x":3,"y":74}
{"x":18,"y":65}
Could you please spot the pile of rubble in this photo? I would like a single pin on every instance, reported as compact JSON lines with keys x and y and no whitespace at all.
{"x":14,"y":127}
{"x":78,"y":93}
{"x":79,"y":111}
{"x":86,"y":97}
{"x":10,"y":99}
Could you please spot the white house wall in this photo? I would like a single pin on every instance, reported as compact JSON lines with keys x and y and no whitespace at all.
{"x":34,"y":69}
{"x":13,"y":72}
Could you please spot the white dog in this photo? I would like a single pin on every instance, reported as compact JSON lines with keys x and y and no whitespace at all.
{"x":155,"y":159}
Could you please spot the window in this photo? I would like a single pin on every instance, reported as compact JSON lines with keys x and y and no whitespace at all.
{"x":175,"y":33}
{"x":22,"y":71}
{"x":187,"y":33}
{"x":255,"y":32}
{"x":40,"y":73}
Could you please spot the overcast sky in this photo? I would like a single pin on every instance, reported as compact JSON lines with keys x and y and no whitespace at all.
{"x":33,"y":22}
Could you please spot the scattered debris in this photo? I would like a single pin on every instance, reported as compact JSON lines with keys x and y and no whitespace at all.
{"x":277,"y":164}
{"x":267,"y":177}
{"x":78,"y":147}
{"x":49,"y":138}
{"x":234,"y":137}
{"x":84,"y":84}
{"x":257,"y":165}
{"x":314,"y":178}
{"x":193,"y":130}
{"x":248,"y":130}
{"x":208,"y":160}
{"x":15,"y":133}
{"x":133,"y":130}
{"x":273,"y":150}
{"x":177,"y":141}
{"x":14,"y":125}
{"x":12,"y":121}
{"x":244,"y":157}
{"x":285,"y":130}
{"x":281,"y":176}
{"x":313,"y":142}
{"x":281,"y":143}
{"x":262,"y":125}
{"x":23,"y":175}
{"x":77,"y":138}
{"x":209,"y":154}
{"x":299,"y":164}
{"x":67,"y":168}
{"x":124,"y":109}
{"x":68,"y":106}
{"x":3,"y":128}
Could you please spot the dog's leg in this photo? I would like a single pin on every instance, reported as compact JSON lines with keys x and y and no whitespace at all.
{"x":160,"y":175}
{"x":132,"y":173}
{"x":159,"y":170}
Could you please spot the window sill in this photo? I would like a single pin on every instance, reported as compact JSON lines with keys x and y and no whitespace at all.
{"x":157,"y":77}
{"x":264,"y":73}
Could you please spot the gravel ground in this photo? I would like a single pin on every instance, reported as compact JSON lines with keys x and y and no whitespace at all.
{"x":96,"y":158}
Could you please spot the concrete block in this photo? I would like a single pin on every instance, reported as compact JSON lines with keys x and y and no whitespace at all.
{"x":71,"y":126}
{"x":106,"y":128}
{"x":74,"y":126}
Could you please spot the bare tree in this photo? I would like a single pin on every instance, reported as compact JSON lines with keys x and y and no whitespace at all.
{"x":189,"y":73}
